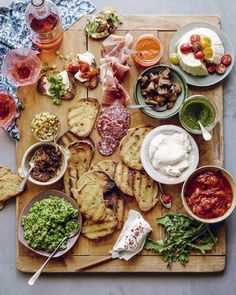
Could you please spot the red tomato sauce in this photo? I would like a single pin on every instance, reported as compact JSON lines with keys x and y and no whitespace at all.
{"x":209,"y":195}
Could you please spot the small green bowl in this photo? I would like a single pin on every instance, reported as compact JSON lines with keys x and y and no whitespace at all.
{"x":176,"y":77}
{"x":198,"y":99}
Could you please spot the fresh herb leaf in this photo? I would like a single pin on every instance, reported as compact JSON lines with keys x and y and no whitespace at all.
{"x":182,"y":235}
{"x":57,"y":88}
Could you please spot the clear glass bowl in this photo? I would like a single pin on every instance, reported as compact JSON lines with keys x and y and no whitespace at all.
{"x":208,"y":103}
{"x":147,"y":62}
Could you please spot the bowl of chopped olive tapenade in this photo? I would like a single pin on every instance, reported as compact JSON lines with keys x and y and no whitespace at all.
{"x":49,"y":163}
{"x":46,"y":219}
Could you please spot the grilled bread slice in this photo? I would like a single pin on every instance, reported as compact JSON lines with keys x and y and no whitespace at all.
{"x":116,"y":202}
{"x":90,"y":200}
{"x":82,"y":116}
{"x":9,"y":184}
{"x":70,"y":93}
{"x":107,"y":166}
{"x":67,"y":138}
{"x":97,"y":176}
{"x":120,"y":211}
{"x":130,"y":146}
{"x":4,"y":171}
{"x":95,"y":230}
{"x":122,"y":178}
{"x":80,"y":160}
{"x":145,"y":190}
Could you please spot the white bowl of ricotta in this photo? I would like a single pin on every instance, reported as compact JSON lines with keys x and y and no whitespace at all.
{"x":169,"y":154}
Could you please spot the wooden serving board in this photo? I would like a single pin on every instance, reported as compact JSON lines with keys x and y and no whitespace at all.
{"x":86,"y":251}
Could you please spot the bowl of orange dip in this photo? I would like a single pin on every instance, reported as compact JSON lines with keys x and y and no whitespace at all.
{"x":150,"y":49}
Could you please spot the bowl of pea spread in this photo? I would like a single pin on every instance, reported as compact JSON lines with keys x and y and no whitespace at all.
{"x":198,"y":108}
{"x":46,"y":219}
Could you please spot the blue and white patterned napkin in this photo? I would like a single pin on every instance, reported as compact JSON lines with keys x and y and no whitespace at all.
{"x":15,"y":34}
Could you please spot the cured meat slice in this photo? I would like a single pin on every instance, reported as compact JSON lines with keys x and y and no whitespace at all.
{"x":112,"y":128}
{"x":112,"y":91}
{"x":116,"y":111}
{"x":114,"y":66}
{"x":107,"y":145}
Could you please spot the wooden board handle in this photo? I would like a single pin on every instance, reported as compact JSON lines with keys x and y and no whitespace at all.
{"x":100,"y":261}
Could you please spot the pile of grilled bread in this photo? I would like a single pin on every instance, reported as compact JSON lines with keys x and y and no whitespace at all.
{"x":99,"y":188}
{"x":9,"y":184}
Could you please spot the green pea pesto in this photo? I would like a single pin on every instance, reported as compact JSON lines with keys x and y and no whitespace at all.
{"x":198,"y":110}
{"x":48,"y":222}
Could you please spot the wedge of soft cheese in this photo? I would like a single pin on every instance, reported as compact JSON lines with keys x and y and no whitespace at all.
{"x":195,"y":66}
{"x":132,"y":237}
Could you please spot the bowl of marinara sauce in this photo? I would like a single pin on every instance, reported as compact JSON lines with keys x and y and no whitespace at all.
{"x":209,"y":194}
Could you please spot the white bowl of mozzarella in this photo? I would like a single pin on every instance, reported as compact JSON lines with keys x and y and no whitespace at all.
{"x":169,"y":154}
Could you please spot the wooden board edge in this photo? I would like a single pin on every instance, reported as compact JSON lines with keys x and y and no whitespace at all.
{"x":202,"y":264}
{"x":175,"y":21}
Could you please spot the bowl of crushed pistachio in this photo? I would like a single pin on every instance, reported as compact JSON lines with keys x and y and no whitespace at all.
{"x":45,"y":126}
{"x":46,"y":219}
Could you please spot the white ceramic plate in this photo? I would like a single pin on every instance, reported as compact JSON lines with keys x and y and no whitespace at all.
{"x":156,"y":175}
{"x":205,"y":80}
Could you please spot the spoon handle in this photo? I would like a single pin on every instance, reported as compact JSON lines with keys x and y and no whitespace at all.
{"x":22,"y":184}
{"x":34,"y":278}
{"x":137,"y":106}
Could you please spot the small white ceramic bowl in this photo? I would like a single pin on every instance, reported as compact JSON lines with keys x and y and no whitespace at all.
{"x":157,"y":175}
{"x":231,"y":180}
{"x":24,"y":168}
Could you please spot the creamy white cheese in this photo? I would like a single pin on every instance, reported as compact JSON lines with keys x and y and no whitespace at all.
{"x":195,"y":66}
{"x":132,"y":237}
{"x":86,"y":57}
{"x":169,"y":153}
{"x":65,"y":81}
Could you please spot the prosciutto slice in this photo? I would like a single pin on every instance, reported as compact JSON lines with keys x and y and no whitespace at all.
{"x":114,"y":65}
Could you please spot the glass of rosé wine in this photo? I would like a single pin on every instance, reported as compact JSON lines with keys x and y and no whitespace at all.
{"x":7,"y":109}
{"x":21,"y":66}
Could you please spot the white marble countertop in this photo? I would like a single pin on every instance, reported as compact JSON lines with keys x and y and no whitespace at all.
{"x":13,"y":282}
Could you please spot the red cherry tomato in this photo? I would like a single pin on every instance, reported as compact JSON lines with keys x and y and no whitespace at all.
{"x":196,"y":46}
{"x":73,"y":69}
{"x":199,"y":55}
{"x":226,"y":59}
{"x":84,"y":66}
{"x":166,"y":199}
{"x":185,"y":48}
{"x":220,"y":69}
{"x":195,"y":38}
{"x":211,"y":68}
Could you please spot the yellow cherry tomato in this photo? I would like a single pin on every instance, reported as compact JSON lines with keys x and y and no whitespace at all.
{"x":205,"y":42}
{"x":174,"y":59}
{"x":208,"y":52}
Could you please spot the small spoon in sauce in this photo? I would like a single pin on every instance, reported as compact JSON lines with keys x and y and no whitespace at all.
{"x":128,"y":51}
{"x":205,"y":134}
{"x":166,"y":199}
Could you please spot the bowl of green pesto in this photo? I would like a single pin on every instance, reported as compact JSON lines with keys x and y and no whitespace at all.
{"x":198,"y":108}
{"x":46,"y":219}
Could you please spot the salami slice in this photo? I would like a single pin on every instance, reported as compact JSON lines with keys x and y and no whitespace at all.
{"x":112,"y":128}
{"x":116,"y":111}
{"x":107,"y":145}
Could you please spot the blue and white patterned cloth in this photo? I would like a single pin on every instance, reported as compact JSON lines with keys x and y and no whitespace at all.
{"x":15,"y":34}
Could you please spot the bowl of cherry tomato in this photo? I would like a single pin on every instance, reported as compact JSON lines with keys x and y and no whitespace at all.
{"x":209,"y":194}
